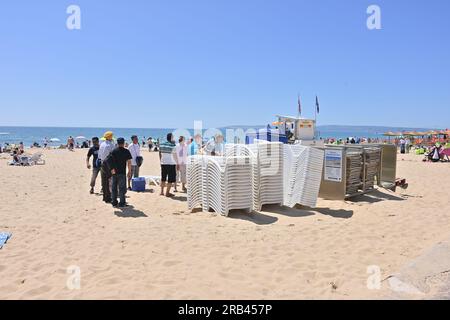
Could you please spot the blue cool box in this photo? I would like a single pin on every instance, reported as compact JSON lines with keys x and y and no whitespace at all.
{"x":138,"y":184}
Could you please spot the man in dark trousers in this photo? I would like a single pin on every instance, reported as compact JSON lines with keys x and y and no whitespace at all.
{"x":106,"y":147}
{"x":120,"y":160}
{"x":93,"y":152}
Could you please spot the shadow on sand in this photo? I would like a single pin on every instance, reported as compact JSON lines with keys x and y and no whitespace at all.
{"x":179,"y":198}
{"x":375,"y":196}
{"x":255,"y":217}
{"x":335,"y":213}
{"x":300,"y":211}
{"x":129,"y":212}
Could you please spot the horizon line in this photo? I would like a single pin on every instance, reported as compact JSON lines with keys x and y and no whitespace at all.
{"x":228,"y":126}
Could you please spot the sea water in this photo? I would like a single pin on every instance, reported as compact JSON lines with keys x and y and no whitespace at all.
{"x":29,"y":135}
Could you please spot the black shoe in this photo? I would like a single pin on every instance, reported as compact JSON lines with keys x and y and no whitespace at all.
{"x":92,"y":191}
{"x":129,"y":188}
{"x":107,"y":200}
{"x":115,"y":204}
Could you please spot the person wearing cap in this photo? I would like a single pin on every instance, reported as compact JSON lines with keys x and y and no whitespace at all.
{"x":121,"y":159}
{"x":106,"y":147}
{"x":135,"y":150}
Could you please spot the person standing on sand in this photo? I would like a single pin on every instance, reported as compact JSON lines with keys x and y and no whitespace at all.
{"x":121,"y":159}
{"x":70,"y":143}
{"x":195,"y":146}
{"x":168,"y":158}
{"x":150,"y":144}
{"x":106,"y":147}
{"x":402,"y":145}
{"x":93,"y":151}
{"x":182,"y":154}
{"x":136,"y":161}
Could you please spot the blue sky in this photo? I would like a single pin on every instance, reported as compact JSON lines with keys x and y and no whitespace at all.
{"x":167,"y":63}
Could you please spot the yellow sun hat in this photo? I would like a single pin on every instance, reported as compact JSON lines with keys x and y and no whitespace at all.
{"x":108,"y":135}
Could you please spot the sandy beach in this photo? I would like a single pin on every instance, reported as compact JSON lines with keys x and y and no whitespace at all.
{"x":158,"y":249}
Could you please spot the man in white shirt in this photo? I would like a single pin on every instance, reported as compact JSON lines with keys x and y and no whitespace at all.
{"x":402,"y":145}
{"x":135,"y":150}
{"x":106,"y":147}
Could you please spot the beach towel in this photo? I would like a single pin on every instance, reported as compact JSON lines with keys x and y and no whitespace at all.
{"x":4,"y":236}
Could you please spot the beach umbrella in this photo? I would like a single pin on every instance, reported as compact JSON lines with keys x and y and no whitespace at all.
{"x":54,"y":140}
{"x":409,"y":133}
{"x":432,"y":133}
{"x":389,"y":134}
{"x":80,"y":138}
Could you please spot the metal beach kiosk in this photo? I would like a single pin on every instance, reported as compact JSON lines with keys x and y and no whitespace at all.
{"x":353,"y":170}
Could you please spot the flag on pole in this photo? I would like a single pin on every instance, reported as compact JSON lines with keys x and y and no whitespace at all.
{"x":317,"y":105}
{"x":299,"y":106}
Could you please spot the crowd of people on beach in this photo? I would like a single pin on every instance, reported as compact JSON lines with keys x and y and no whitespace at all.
{"x":118,"y":162}
{"x":352,"y":140}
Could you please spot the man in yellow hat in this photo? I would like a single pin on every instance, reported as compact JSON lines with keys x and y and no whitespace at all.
{"x":106,"y":147}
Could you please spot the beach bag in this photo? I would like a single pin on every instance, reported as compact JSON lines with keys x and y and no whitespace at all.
{"x":139,"y":161}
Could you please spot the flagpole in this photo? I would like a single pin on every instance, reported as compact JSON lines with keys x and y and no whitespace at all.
{"x":315,"y":109}
{"x":315,"y":117}
{"x":315,"y":122}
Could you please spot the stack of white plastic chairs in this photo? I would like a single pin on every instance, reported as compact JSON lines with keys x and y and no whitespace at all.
{"x":303,"y":168}
{"x":219,"y":183}
{"x":267,"y":170}
{"x":268,"y":173}
{"x":250,"y":176}
{"x":195,"y":173}
{"x":228,"y":184}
